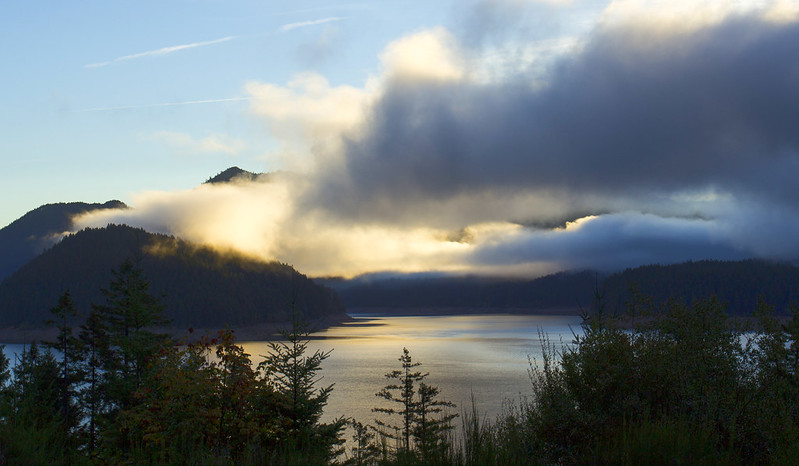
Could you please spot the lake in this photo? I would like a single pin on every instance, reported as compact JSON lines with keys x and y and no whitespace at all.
{"x":481,"y":355}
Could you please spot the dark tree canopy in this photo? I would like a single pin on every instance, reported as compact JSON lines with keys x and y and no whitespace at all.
{"x":200,"y":287}
{"x":739,"y":284}
{"x":29,"y":235}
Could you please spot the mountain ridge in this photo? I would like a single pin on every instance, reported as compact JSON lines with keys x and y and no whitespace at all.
{"x":201,"y":287}
{"x":738,"y":284}
{"x":29,"y":235}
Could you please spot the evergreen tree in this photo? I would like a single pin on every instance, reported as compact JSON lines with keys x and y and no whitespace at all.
{"x":422,"y":428}
{"x":35,"y":387}
{"x":70,"y":374}
{"x":432,"y":423}
{"x":402,"y":392}
{"x":128,"y":316}
{"x":294,"y":376}
{"x":4,"y":367}
{"x":94,"y":351}
{"x":33,"y":431}
{"x":5,"y":375}
{"x":129,"y":313}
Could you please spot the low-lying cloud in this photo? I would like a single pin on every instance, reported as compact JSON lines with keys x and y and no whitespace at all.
{"x":637,"y":145}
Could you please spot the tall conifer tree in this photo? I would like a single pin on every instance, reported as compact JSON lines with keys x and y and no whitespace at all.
{"x":130,"y":313}
{"x":293,"y":374}
{"x":423,"y":423}
{"x":70,"y":374}
{"x":94,"y":351}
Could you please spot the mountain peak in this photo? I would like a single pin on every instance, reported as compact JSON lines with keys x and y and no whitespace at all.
{"x":231,"y":174}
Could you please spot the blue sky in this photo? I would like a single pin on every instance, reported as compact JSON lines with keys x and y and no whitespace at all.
{"x":58,"y":144}
{"x":477,"y":136}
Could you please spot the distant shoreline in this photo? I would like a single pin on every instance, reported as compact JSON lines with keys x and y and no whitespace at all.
{"x":454,"y":311}
{"x":270,"y":330}
{"x":181,"y":334}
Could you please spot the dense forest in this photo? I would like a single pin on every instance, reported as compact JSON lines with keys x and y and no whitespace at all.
{"x":201,"y":287}
{"x":684,"y":386}
{"x":28,"y":236}
{"x":121,"y":393}
{"x":562,"y":290}
{"x":738,"y":284}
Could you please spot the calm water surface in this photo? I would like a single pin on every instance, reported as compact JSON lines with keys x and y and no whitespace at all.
{"x":481,"y":355}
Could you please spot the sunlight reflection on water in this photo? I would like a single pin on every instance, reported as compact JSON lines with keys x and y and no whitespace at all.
{"x":483,"y":355}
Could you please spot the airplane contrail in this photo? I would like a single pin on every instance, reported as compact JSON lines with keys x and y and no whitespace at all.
{"x":166,"y":104}
{"x":161,"y":51}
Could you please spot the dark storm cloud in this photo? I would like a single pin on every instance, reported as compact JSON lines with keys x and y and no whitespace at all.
{"x":630,"y":115}
{"x":614,"y":241}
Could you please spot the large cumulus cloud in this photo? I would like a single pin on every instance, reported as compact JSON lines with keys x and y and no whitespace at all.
{"x":649,"y":140}
{"x":630,"y":116}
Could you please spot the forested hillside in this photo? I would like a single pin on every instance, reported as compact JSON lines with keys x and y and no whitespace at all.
{"x":28,"y":236}
{"x":200,"y":287}
{"x":556,"y":291}
{"x":738,"y":284}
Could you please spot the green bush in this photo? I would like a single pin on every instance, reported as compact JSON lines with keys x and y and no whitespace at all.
{"x":680,"y":385}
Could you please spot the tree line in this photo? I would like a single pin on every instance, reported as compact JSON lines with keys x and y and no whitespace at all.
{"x":111,"y":390}
{"x":659,"y":383}
{"x":738,"y":284}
